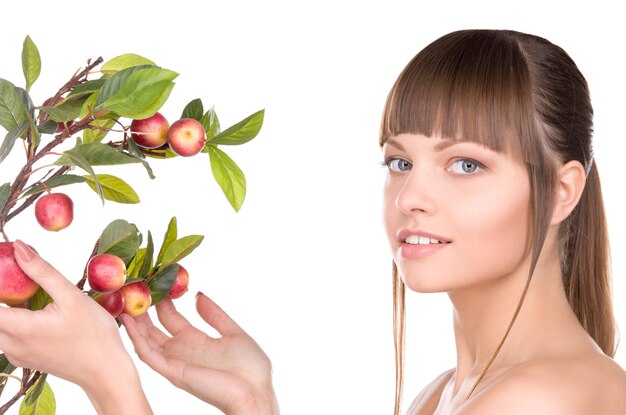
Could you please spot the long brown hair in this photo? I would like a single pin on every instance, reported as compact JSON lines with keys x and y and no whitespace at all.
{"x":522,"y":95}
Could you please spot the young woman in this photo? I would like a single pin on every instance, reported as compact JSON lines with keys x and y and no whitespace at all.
{"x":492,"y":196}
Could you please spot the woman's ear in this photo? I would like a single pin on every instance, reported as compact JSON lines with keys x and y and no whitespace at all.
{"x":572,"y":178}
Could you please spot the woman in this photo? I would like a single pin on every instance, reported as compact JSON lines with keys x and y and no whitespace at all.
{"x":492,"y":196}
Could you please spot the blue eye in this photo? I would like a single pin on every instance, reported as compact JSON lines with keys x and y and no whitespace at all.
{"x":466,"y":166}
{"x":397,"y":165}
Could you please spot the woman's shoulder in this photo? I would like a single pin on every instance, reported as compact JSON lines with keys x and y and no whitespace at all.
{"x":587,"y":384}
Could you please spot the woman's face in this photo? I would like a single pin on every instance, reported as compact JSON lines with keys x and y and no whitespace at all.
{"x":456,"y":213}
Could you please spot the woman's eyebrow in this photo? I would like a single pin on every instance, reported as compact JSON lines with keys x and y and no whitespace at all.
{"x":395,"y":144}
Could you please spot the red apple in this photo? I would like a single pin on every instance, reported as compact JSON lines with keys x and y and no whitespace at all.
{"x":111,"y":302}
{"x":150,"y":132}
{"x":186,"y":137}
{"x":15,"y":286}
{"x":181,"y":284}
{"x":106,"y":273}
{"x":61,"y":125}
{"x":54,"y":211}
{"x":137,"y":298}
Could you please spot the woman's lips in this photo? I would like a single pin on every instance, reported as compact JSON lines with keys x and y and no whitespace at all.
{"x":414,"y":251}
{"x":416,"y":243}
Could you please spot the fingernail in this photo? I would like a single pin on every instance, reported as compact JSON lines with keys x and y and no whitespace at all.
{"x":23,"y":251}
{"x":199,"y":294}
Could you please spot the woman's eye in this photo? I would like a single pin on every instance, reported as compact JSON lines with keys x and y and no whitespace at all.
{"x":397,"y":165}
{"x":465,"y":166}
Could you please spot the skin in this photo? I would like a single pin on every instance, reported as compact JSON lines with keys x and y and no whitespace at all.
{"x":548,"y":364}
{"x":231,"y":372}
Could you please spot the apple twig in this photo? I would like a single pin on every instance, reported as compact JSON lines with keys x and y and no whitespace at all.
{"x":26,"y":385}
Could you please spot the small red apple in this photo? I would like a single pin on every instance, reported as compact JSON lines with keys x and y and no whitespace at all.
{"x":54,"y":211}
{"x":111,"y":302}
{"x":137,"y":298}
{"x":15,"y":286}
{"x":106,"y":273}
{"x":186,"y":137}
{"x":181,"y":284}
{"x":150,"y":132}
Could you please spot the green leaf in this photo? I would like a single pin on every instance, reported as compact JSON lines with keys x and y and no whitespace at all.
{"x":26,"y":99}
{"x":137,"y":92}
{"x":180,"y":248}
{"x":57,"y":114}
{"x":12,"y":111}
{"x":45,"y":404}
{"x":97,"y":154}
{"x":5,"y":189}
{"x":162,"y":283}
{"x":242,"y":132}
{"x":124,"y":61}
{"x":119,"y":238}
{"x":211,"y":124}
{"x":87,"y":88}
{"x":91,"y":135}
{"x":134,"y":266}
{"x":66,"y":110}
{"x":114,"y":189}
{"x":114,"y":83}
{"x":33,"y":130}
{"x":193,"y":110}
{"x":73,"y":106}
{"x":35,"y":391}
{"x":49,"y":127}
{"x":88,"y":105}
{"x":40,"y":300}
{"x":9,"y":139}
{"x":229,"y":176}
{"x":75,"y":158}
{"x":31,"y":62}
{"x":170,"y":236}
{"x":53,"y":182}
{"x":147,"y":262}
{"x":135,"y":151}
{"x":142,"y":103}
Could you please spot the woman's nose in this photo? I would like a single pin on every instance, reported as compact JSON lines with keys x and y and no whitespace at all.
{"x":417,"y":194}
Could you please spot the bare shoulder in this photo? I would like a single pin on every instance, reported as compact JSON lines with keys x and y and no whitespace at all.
{"x":427,"y":400}
{"x":587,"y":384}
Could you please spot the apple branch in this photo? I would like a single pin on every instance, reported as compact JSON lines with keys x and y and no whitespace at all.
{"x":26,"y":385}
{"x":22,"y":178}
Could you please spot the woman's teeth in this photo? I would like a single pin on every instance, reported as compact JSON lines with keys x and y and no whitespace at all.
{"x":421,"y":240}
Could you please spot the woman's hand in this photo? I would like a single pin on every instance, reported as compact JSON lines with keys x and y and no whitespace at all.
{"x":230,"y":372}
{"x":73,"y":338}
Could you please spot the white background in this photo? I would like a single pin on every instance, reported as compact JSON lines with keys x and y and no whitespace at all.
{"x":304,"y":266}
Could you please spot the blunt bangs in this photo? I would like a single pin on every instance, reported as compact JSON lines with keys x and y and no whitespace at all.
{"x":468,"y":86}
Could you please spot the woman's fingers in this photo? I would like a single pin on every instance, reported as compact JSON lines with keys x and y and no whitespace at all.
{"x":215,"y":316}
{"x":44,"y":274}
{"x":146,"y":350}
{"x":171,"y":319}
{"x":154,"y":335}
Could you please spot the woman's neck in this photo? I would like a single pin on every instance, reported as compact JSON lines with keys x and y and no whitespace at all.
{"x":482,"y":315}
